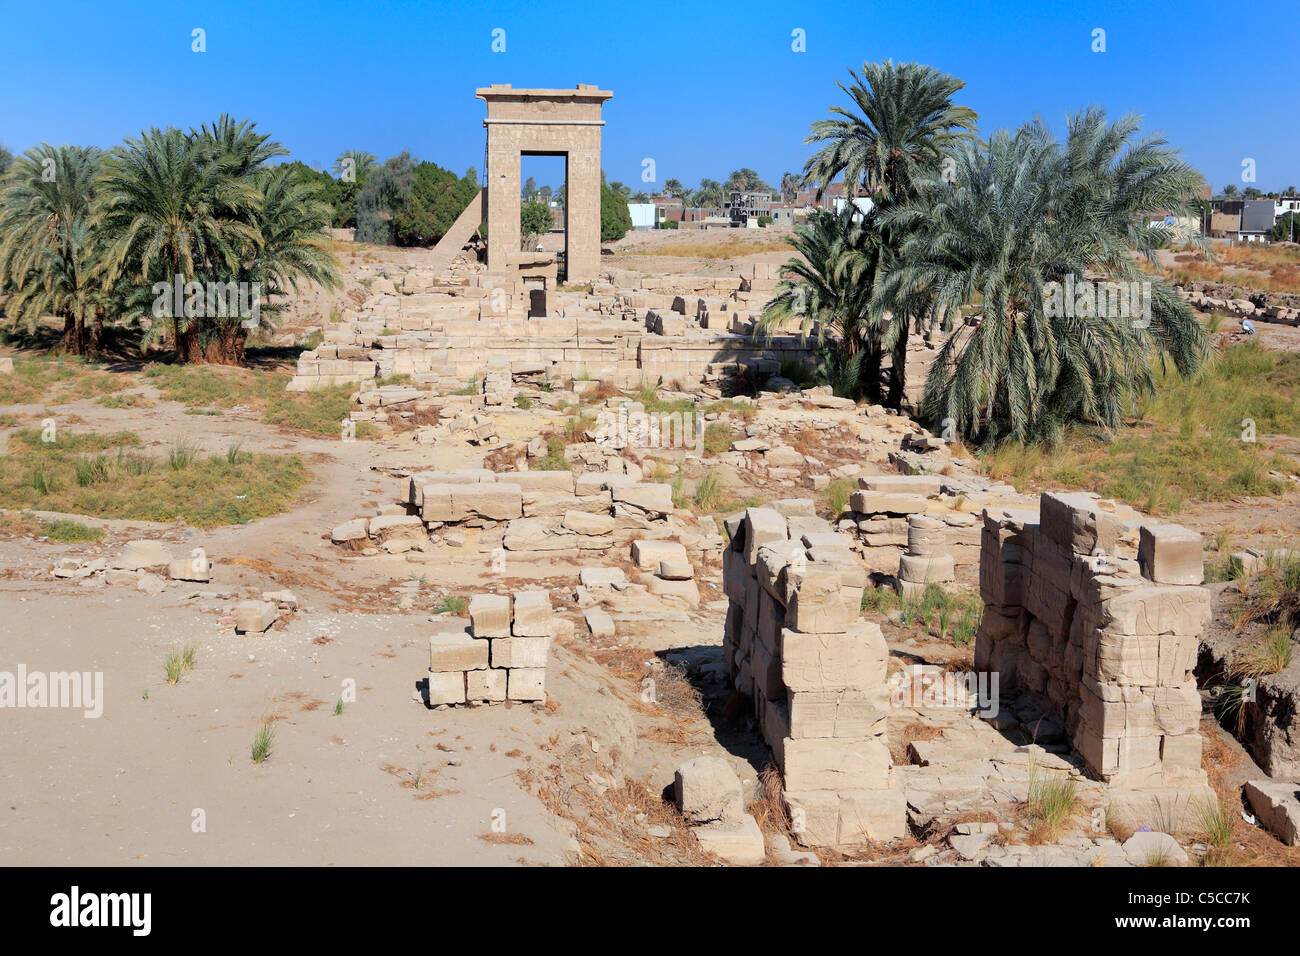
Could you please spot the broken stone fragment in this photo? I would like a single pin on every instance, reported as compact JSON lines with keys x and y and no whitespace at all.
{"x":254,"y":617}
{"x":142,"y":554}
{"x":707,"y":789}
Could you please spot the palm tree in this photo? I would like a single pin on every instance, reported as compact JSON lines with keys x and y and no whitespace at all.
{"x":790,"y":184}
{"x":902,"y":127}
{"x":1013,"y":217}
{"x":178,"y":211}
{"x":830,"y":291}
{"x":49,"y":257}
{"x":292,"y":247}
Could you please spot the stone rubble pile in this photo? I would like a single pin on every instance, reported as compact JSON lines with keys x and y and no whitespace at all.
{"x":814,"y":671}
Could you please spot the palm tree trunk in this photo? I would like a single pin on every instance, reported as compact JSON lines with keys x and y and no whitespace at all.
{"x":871,"y":371}
{"x":898,"y":368}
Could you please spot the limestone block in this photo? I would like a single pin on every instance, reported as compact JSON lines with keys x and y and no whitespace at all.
{"x":141,"y":554}
{"x":519,"y":652}
{"x":707,"y":789}
{"x":648,"y":498}
{"x":880,"y":502}
{"x":447,"y":687}
{"x":739,"y":843}
{"x":647,"y":555}
{"x":488,"y":684}
{"x":456,"y":651}
{"x":762,"y":526}
{"x":871,"y":816}
{"x":851,"y":660}
{"x":526,"y":683}
{"x":254,"y":617}
{"x":1170,"y":554}
{"x":1277,"y":804}
{"x":489,"y":615}
{"x":843,"y":713}
{"x":581,"y":522}
{"x":926,"y":536}
{"x":599,"y":623}
{"x":836,"y":763}
{"x":532,"y":616}
{"x":1076,"y":522}
{"x":814,"y":816}
{"x":926,"y":568}
{"x":816,"y":603}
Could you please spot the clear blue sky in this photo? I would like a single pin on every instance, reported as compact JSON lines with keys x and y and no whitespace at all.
{"x":702,"y":88}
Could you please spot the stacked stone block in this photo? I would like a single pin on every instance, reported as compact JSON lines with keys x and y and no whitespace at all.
{"x":814,"y":671}
{"x":501,"y":656}
{"x":1106,"y":637}
{"x":926,"y":560}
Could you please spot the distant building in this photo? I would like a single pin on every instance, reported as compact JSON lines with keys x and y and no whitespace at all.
{"x":746,"y":208}
{"x":667,"y":208}
{"x":1257,"y":220}
{"x":643,"y":215}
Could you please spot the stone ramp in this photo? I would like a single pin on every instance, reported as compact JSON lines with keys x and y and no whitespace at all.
{"x":462,"y":229}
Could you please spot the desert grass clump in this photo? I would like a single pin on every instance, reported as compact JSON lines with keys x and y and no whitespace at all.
{"x":262,"y":742}
{"x":173,"y":665}
{"x":1216,"y":823}
{"x":708,"y":491}
{"x":1052,"y":801}
{"x":1271,"y":654}
{"x":452,"y":604}
{"x":836,"y":496}
{"x":182,"y":455}
{"x":67,"y":530}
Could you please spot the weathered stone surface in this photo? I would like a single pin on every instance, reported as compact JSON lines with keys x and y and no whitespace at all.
{"x":532,"y":616}
{"x":526,"y":683}
{"x":836,"y":763}
{"x":648,"y":554}
{"x":397,"y":528}
{"x":141,"y":554}
{"x":871,"y":816}
{"x":686,"y":590}
{"x":1277,"y":803}
{"x":672,"y":570}
{"x":489,"y":615}
{"x":739,"y":843}
{"x":651,"y":498}
{"x":581,"y":522}
{"x":447,"y":687}
{"x":1152,"y":847}
{"x":513,"y":652}
{"x":851,"y":660}
{"x":1170,"y":554}
{"x":456,"y":651}
{"x":254,"y":617}
{"x":880,"y":502}
{"x":350,"y":531}
{"x":842,"y":713}
{"x":707,"y":789}
{"x":487,"y":685}
{"x":190,"y":569}
{"x":599,"y":623}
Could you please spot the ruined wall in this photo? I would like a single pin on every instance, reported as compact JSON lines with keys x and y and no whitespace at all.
{"x":814,"y":671}
{"x":1101,"y":621}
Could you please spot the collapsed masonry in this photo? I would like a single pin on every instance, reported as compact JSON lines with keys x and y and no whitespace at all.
{"x":814,"y":671}
{"x":502,"y":655}
{"x":1105,"y":635}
